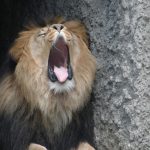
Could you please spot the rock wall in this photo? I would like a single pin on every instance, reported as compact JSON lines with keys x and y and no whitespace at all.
{"x":120,"y":39}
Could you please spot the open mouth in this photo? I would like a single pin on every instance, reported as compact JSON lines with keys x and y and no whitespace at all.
{"x":59,"y":67}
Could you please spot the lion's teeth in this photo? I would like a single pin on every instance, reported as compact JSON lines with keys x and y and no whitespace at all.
{"x":52,"y":75}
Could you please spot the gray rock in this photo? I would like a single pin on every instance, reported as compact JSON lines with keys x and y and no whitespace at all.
{"x":120,"y":39}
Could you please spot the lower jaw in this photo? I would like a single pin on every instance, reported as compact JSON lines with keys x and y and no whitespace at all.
{"x":59,"y":88}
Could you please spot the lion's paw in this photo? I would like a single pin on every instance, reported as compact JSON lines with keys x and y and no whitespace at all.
{"x":33,"y":146}
{"x":85,"y":146}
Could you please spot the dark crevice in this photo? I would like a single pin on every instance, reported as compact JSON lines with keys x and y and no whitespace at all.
{"x":16,"y":14}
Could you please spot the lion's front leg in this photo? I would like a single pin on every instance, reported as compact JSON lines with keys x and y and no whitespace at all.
{"x":34,"y":146}
{"x":85,"y":146}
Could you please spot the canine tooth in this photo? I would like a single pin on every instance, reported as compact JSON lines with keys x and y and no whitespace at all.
{"x":52,"y":75}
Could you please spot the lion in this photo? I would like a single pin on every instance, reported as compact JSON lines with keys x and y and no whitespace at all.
{"x":43,"y":98}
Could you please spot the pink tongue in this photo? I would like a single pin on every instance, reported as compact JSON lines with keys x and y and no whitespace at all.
{"x":61,"y":73}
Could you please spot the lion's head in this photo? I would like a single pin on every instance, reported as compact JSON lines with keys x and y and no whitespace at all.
{"x":55,"y":69}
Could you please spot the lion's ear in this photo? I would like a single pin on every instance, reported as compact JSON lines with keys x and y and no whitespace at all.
{"x":79,"y":29}
{"x":16,"y":51}
{"x":21,"y":44}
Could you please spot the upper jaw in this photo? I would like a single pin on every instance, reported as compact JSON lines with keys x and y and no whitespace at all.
{"x":59,"y":66}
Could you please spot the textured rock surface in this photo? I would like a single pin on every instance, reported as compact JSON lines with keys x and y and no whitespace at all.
{"x":120,"y":40}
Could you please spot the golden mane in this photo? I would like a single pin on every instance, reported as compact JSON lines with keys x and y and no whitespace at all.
{"x":30,"y":84}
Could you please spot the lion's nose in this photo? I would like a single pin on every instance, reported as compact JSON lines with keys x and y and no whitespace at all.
{"x":58,"y":27}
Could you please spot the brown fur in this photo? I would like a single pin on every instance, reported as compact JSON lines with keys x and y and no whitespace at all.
{"x":29,"y":82}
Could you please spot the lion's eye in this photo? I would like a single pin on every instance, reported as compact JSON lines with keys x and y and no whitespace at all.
{"x":41,"y":34}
